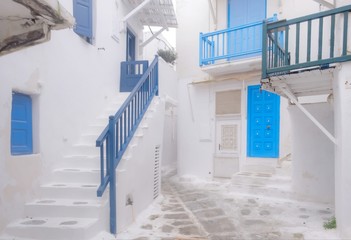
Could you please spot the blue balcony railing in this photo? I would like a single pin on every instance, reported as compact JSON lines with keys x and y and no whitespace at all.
{"x":232,"y":43}
{"x":115,"y":138}
{"x":308,"y":42}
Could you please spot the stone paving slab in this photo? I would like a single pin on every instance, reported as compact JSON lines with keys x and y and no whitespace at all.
{"x":190,"y":211}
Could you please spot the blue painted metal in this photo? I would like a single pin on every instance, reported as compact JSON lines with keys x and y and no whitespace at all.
{"x":214,"y":46}
{"x":114,"y":139}
{"x":21,"y":125}
{"x":313,"y":57}
{"x":263,"y":116}
{"x":131,"y":73}
{"x":83,"y":13}
{"x":130,"y":56}
{"x":241,"y":12}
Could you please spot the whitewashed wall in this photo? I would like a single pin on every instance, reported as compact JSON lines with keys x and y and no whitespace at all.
{"x":70,"y":81}
{"x":313,"y":153}
{"x":196,"y":112}
{"x":342,"y":96}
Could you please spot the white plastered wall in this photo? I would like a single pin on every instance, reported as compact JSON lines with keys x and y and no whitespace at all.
{"x":313,"y":153}
{"x":196,"y":112}
{"x":70,"y":82}
{"x":342,"y":102}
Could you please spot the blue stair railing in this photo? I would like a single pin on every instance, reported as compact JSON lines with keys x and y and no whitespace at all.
{"x":309,"y":42}
{"x":114,"y":139}
{"x":226,"y":44}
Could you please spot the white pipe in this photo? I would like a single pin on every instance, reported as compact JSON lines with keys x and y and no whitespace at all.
{"x":309,"y":115}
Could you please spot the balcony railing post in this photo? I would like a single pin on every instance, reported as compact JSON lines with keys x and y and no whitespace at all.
{"x":264,"y":49}
{"x":200,"y":49}
{"x":112,"y":174}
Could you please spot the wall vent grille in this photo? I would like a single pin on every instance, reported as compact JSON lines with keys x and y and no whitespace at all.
{"x":157,"y":171}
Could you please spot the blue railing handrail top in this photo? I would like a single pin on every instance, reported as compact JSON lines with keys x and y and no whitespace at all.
{"x":103,"y":135}
{"x":271,"y":19}
{"x":272,"y":25}
{"x":135,"y":62}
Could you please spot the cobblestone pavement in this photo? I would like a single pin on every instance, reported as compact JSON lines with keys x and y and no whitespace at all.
{"x":217,"y":211}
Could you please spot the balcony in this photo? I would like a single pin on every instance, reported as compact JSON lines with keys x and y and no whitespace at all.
{"x":302,"y":63}
{"x":232,"y":50}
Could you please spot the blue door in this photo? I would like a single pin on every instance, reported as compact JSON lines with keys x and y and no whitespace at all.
{"x":263,"y":121}
{"x":248,"y":40}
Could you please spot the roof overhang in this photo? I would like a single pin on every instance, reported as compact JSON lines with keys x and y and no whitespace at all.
{"x":153,"y":13}
{"x":309,"y":82}
{"x":25,"y":23}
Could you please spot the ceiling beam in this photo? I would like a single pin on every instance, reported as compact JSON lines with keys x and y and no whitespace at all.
{"x":326,"y":3}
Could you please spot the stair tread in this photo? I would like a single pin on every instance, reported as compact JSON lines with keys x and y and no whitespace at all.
{"x":51,"y":222}
{"x":77,"y":170}
{"x":65,"y":202}
{"x":11,"y":237}
{"x":69,"y":185}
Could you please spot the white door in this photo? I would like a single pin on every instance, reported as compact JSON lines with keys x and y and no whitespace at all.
{"x":227,"y":147}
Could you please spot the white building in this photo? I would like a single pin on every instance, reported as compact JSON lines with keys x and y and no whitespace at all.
{"x":55,"y":99}
{"x":223,"y":62}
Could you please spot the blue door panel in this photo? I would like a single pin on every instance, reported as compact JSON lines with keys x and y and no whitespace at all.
{"x":247,"y":41}
{"x":82,"y":11}
{"x":21,"y":125}
{"x":263,"y":123}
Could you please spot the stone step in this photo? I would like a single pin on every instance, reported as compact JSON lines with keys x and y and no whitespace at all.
{"x":95,"y":129}
{"x":11,"y":237}
{"x":79,"y":161}
{"x":54,"y":228}
{"x":263,"y":190}
{"x":79,"y":191}
{"x":85,"y":149}
{"x":259,"y":179}
{"x":76,"y":175}
{"x":88,"y":138}
{"x":64,"y":208}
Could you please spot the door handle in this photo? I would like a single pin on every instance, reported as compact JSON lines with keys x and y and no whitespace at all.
{"x":268,"y":127}
{"x":219,"y":146}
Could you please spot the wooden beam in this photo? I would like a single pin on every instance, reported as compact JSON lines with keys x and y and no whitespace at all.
{"x":326,"y":3}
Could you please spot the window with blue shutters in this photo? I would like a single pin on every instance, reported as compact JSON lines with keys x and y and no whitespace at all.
{"x":83,"y":13}
{"x":21,"y":125}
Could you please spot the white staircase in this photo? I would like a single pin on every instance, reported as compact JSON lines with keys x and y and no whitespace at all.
{"x":68,"y":207}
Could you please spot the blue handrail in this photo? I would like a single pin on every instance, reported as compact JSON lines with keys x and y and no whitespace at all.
{"x":226,"y":44}
{"x":296,"y":52}
{"x":114,"y":139}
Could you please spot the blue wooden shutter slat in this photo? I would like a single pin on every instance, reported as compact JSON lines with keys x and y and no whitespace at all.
{"x":21,"y":125}
{"x":82,"y":11}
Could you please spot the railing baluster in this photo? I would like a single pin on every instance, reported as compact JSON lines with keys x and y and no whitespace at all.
{"x":332,"y":36}
{"x":297,"y":53}
{"x":264,"y":50}
{"x":344,"y":42}
{"x":112,"y":174}
{"x":102,"y":164}
{"x":309,"y":33}
{"x":275,"y":47}
{"x":286,"y":50}
{"x":320,"y":39}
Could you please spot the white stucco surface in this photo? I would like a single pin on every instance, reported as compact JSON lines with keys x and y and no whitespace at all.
{"x":312,"y":153}
{"x":70,"y":82}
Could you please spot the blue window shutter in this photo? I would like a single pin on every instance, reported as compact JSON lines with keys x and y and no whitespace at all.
{"x":83,"y":13}
{"x":21,"y":125}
